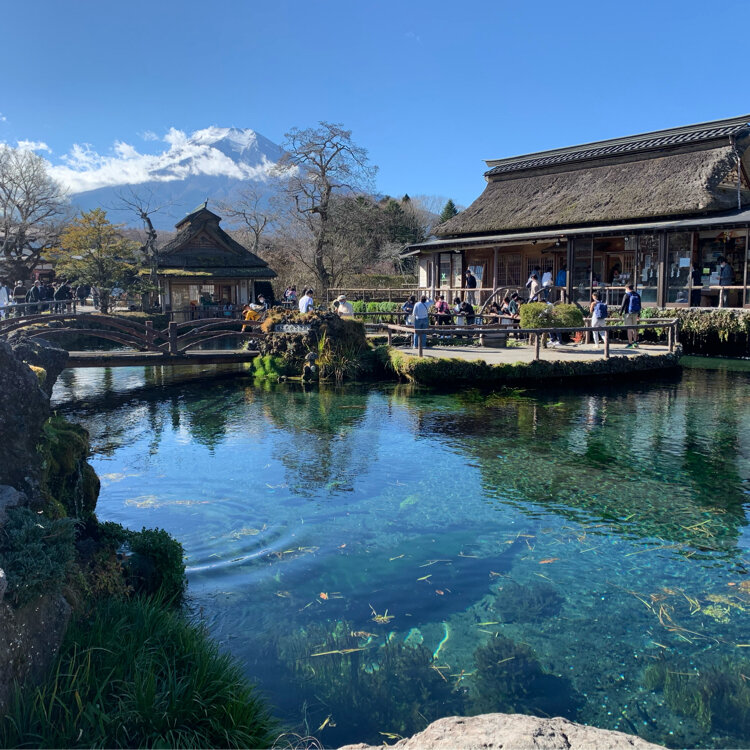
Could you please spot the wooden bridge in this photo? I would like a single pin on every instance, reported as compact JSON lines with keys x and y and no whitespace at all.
{"x":174,"y":345}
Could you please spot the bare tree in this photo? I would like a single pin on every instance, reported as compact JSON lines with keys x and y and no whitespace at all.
{"x":144,"y":206}
{"x":33,"y":210}
{"x":253,"y":210}
{"x":318,"y":164}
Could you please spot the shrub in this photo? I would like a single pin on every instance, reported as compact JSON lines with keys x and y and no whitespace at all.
{"x":135,"y":674}
{"x":533,"y":601}
{"x":35,"y":553}
{"x":153,"y":560}
{"x":542,"y":315}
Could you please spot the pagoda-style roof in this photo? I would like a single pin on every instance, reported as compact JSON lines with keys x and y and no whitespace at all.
{"x":203,"y":248}
{"x":680,"y":172}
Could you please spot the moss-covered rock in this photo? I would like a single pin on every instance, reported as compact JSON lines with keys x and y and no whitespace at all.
{"x":69,"y":483}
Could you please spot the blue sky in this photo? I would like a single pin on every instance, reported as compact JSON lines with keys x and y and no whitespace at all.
{"x":429,"y":88}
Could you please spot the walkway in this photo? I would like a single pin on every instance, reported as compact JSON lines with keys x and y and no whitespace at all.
{"x":525,"y":353}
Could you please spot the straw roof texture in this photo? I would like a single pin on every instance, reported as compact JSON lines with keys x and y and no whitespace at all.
{"x":644,"y":186}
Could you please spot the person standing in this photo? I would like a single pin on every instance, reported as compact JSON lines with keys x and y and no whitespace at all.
{"x":726,"y":276}
{"x":34,"y":296}
{"x":422,"y":320}
{"x":442,"y":312}
{"x":81,"y":293}
{"x":5,"y":297}
{"x":306,"y":302}
{"x":471,"y":285}
{"x":631,"y":311}
{"x":598,"y":311}
{"x":408,"y":308}
{"x":534,"y":288}
{"x":345,"y":309}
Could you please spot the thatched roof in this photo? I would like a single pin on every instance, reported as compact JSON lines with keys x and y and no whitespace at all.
{"x":202,"y":245}
{"x":686,"y":171}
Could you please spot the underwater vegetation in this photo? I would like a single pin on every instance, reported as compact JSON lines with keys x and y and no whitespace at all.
{"x":356,"y":683}
{"x":717,"y":696}
{"x":526,"y":603}
{"x":510,"y":679}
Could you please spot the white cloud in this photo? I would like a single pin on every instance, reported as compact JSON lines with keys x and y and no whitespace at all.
{"x":84,"y":169}
{"x":3,"y":118}
{"x":149,"y":135}
{"x":34,"y":146}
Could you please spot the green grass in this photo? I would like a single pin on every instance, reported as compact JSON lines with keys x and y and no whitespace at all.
{"x":134,"y":673}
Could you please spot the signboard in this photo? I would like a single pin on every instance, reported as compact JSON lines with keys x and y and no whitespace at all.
{"x":291,"y":328}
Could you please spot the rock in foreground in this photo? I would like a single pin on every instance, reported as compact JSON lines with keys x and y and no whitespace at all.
{"x":510,"y":731}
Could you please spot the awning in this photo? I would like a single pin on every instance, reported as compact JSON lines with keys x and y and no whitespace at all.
{"x":735,"y":218}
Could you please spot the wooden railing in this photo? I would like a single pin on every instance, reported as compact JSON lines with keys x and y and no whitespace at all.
{"x":671,"y":325}
{"x":175,"y":339}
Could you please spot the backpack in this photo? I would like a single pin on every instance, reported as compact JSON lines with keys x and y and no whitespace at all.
{"x":634,"y":303}
{"x":600,"y":310}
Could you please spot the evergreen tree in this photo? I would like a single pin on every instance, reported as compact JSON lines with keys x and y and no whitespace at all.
{"x":449,"y":211}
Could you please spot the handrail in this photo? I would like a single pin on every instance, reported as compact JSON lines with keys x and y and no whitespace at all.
{"x":672,"y":325}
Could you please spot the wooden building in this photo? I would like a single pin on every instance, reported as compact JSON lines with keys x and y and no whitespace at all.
{"x":659,"y":210}
{"x":203,"y":267}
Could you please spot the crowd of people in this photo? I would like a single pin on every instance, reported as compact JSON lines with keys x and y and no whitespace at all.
{"x":55,"y":296}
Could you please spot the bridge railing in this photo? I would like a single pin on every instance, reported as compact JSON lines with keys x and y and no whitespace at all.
{"x":24,"y":309}
{"x":175,"y":339}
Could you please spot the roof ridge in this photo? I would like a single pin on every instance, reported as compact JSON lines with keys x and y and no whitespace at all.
{"x":656,"y":138}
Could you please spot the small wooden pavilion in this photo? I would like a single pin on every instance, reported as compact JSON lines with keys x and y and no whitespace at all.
{"x":660,"y":210}
{"x":204,"y":267}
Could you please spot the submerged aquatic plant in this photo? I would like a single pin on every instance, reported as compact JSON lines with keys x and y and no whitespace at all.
{"x":359,"y":685}
{"x":716,"y":696}
{"x":533,"y":601}
{"x":510,"y":679}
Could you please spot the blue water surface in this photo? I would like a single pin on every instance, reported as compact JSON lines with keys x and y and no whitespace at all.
{"x":355,"y":547}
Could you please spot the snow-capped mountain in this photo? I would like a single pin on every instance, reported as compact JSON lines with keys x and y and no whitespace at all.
{"x":210,"y":163}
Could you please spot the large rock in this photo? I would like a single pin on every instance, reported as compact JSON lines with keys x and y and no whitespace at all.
{"x":10,"y":497}
{"x":40,"y":353}
{"x":511,"y":731}
{"x":24,"y":408}
{"x":29,"y":640}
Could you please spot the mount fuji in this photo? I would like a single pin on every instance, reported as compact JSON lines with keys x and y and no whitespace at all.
{"x":211,"y":163}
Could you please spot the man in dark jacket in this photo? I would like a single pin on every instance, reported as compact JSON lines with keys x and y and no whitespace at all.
{"x":34,"y":295}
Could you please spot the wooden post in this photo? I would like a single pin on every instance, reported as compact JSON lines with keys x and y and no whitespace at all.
{"x":172,"y":337}
{"x":149,"y":333}
{"x":537,"y":342}
{"x":670,"y":337}
{"x":419,"y":344}
{"x":677,"y":331}
{"x":606,"y":345}
{"x":390,"y":336}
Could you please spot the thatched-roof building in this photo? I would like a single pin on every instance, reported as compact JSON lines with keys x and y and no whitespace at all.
{"x":203,"y":266}
{"x":658,"y":209}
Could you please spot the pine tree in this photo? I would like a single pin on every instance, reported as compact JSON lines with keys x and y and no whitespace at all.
{"x":449,"y":211}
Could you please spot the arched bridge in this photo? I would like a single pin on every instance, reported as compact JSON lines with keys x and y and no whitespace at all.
{"x":175,"y":344}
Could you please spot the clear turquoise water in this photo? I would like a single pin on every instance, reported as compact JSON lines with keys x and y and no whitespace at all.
{"x":617,"y":514}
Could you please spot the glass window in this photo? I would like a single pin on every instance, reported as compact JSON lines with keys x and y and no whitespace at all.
{"x":679,"y":263}
{"x":581,"y":279}
{"x":458,"y":271}
{"x":445,"y":269}
{"x":648,"y":267}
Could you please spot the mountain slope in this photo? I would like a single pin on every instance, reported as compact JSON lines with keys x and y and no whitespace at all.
{"x":211,"y":163}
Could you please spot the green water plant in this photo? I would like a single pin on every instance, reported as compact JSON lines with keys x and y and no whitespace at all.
{"x":528,"y":602}
{"x":717,"y":696}
{"x":134,"y":673}
{"x":36,"y":554}
{"x":510,"y":679}
{"x":369,"y":685}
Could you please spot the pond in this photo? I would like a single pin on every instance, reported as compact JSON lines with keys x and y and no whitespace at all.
{"x":380,"y":556}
